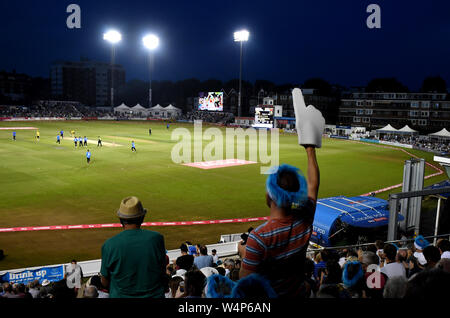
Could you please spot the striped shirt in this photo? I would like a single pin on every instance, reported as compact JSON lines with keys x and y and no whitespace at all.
{"x":277,"y":247}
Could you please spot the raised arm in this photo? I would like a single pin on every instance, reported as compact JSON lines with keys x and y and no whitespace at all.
{"x":313,"y":172}
{"x":310,"y":125}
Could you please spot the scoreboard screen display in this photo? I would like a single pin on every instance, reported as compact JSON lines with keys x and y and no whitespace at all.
{"x":263,"y":117}
{"x":213,"y":101}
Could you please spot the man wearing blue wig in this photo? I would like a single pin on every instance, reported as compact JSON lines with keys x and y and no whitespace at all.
{"x":277,"y":248}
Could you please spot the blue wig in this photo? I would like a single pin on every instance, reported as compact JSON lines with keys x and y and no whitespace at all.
{"x":253,"y":286}
{"x":284,"y":198}
{"x":420,"y":242}
{"x":219,"y":286}
{"x":350,"y":282}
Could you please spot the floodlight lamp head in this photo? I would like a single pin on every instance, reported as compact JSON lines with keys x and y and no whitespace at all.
{"x":150,"y":41}
{"x":112,"y":36}
{"x":241,"y":36}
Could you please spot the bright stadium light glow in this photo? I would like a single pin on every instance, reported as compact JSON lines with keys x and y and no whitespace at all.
{"x":241,"y":36}
{"x":112,"y":36}
{"x":150,"y":41}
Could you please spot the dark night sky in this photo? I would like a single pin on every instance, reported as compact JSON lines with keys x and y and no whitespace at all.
{"x":290,"y":41}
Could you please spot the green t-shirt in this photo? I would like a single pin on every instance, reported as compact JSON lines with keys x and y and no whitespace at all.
{"x":134,"y":263}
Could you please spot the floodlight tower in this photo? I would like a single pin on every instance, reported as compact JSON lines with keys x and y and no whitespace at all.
{"x":113,"y":37}
{"x":240,"y":36}
{"x":151,"y":42}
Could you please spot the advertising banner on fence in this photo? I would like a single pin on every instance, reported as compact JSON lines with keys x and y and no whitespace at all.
{"x":396,"y":144}
{"x":338,"y":137}
{"x":374,"y":141}
{"x":30,"y":118}
{"x":53,"y":274}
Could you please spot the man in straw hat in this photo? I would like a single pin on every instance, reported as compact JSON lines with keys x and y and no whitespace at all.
{"x":133,"y":261}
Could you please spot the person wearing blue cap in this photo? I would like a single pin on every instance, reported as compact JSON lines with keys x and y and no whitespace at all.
{"x":419,"y":244}
{"x":277,"y":248}
{"x":253,"y":286}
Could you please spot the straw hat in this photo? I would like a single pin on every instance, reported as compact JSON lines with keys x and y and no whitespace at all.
{"x":131,"y":208}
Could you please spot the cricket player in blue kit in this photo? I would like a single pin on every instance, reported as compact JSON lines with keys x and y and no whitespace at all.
{"x":88,"y":156}
{"x":133,"y":148}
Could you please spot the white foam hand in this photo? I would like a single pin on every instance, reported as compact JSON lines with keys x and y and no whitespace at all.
{"x":309,"y":121}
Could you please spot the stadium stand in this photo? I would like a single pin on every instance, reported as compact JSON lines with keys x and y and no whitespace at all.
{"x":422,"y":143}
{"x":345,"y":273}
{"x":211,"y":117}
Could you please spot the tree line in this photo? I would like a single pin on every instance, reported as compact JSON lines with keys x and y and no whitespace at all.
{"x":177,"y":92}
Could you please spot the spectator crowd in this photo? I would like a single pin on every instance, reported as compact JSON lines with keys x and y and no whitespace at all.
{"x":210,"y":117}
{"x":55,"y":109}
{"x":421,"y":142}
{"x":380,"y":270}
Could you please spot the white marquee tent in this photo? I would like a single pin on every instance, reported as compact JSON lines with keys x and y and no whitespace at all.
{"x":387,"y":129}
{"x":138,"y":109}
{"x":156,"y":111}
{"x":407,"y":130}
{"x":444,"y":133}
{"x":172,"y":111}
{"x":122,"y":108}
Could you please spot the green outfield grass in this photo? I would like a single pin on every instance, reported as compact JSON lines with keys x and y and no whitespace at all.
{"x":43,"y":183}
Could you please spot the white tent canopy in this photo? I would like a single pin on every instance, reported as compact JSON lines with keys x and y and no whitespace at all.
{"x":122,"y":108}
{"x":387,"y":128}
{"x":172,"y":111}
{"x":157,"y":107}
{"x":138,"y":107}
{"x":157,"y":111}
{"x":407,"y":130}
{"x":442,"y":133}
{"x":171,"y":107}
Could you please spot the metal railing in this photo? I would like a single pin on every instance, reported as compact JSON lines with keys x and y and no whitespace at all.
{"x":394,"y":200}
{"x":368,"y":244}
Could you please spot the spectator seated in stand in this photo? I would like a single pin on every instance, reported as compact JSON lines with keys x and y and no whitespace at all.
{"x":204,"y":260}
{"x":186,"y":260}
{"x":174,"y":284}
{"x":444,"y":248}
{"x":432,"y":256}
{"x":390,"y":266}
{"x":194,"y":284}
{"x":395,"y":287}
{"x":253,"y":286}
{"x":430,"y":284}
{"x":353,"y":278}
{"x":218,"y":286}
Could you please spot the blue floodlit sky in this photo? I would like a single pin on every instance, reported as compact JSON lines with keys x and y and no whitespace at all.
{"x":290,"y":41}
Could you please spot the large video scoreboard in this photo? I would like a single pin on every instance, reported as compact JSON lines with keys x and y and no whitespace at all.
{"x":263,"y":117}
